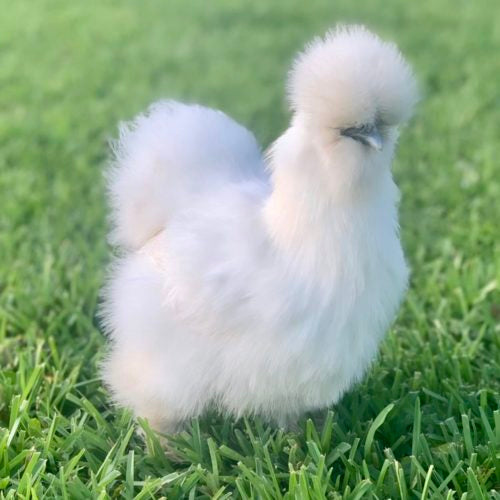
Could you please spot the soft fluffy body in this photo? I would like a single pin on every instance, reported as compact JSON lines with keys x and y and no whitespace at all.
{"x":259,"y":285}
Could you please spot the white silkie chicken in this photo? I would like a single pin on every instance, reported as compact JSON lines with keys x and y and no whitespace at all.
{"x":259,"y":285}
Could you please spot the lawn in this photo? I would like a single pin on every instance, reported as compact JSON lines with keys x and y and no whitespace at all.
{"x":425,"y":422}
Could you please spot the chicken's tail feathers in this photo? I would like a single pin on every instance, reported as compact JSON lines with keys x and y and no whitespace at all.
{"x":165,"y":157}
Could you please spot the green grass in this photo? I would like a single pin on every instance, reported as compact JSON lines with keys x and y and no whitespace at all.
{"x":425,"y":422}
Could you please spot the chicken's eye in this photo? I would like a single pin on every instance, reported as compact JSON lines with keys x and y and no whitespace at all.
{"x":368,"y":134}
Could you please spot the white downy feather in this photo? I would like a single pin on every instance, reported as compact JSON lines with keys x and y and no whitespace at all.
{"x":251,"y":291}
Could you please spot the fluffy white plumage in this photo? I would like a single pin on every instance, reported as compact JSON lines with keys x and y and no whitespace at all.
{"x":252,"y":284}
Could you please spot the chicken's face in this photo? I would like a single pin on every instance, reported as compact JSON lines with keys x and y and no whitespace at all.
{"x":349,"y":92}
{"x":353,"y":155}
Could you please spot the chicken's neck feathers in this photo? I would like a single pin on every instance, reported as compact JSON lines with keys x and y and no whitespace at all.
{"x":310,"y":226}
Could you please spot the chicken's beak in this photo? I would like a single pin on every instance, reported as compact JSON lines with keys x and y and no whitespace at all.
{"x":369,"y":136}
